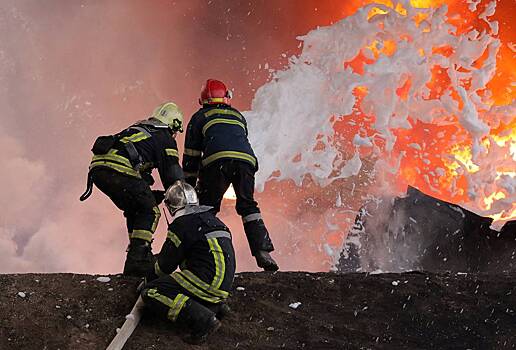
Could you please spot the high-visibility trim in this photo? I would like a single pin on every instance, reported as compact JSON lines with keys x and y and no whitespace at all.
{"x":199,"y":283}
{"x":139,"y":136}
{"x":120,"y":168}
{"x":214,"y":99}
{"x":223,"y":111}
{"x":141,"y":234}
{"x":191,"y":173}
{"x":221,"y":121}
{"x":175,"y":305}
{"x":113,"y":158}
{"x":158,"y":271}
{"x":251,"y":217}
{"x":173,"y":237}
{"x":153,"y":293}
{"x":157,"y":215}
{"x":172,"y":152}
{"x":220,"y":265}
{"x":218,"y":234}
{"x":183,"y":282}
{"x":192,"y":152}
{"x":179,"y":302}
{"x":229,"y":154}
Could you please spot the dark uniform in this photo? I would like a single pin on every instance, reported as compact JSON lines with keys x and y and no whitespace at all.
{"x":200,"y":244}
{"x":123,"y":173}
{"x":218,"y":152}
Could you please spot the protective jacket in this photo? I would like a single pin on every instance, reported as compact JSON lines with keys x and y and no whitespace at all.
{"x":200,"y":244}
{"x":216,"y":132}
{"x":140,"y":148}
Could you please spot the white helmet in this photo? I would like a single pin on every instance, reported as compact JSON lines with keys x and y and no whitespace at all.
{"x":179,"y":195}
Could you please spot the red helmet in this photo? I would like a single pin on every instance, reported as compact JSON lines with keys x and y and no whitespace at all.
{"x":214,"y":91}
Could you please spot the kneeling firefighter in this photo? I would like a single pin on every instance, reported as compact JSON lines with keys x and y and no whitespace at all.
{"x":200,"y":244}
{"x":121,"y":168}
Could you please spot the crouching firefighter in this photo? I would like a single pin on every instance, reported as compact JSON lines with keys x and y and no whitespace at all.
{"x":200,"y":244}
{"x":121,"y":168}
{"x":218,"y":153}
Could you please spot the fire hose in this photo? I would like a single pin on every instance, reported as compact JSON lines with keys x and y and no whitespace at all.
{"x":131,"y":321}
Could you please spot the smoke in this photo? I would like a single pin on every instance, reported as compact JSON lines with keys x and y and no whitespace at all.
{"x":70,"y":71}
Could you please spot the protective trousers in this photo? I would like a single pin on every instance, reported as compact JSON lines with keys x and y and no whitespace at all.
{"x":167,"y":299}
{"x":134,"y":197}
{"x":215,"y":179}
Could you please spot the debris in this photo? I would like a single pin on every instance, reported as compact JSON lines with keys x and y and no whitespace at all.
{"x":270,"y":329}
{"x":21,"y":294}
{"x":395,"y":283}
{"x":103,"y":279}
{"x":240,"y":288}
{"x":294,"y":305}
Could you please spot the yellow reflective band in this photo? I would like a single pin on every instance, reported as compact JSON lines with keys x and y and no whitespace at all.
{"x":192,"y":152}
{"x":153,"y":293}
{"x":157,"y":215}
{"x":157,"y":270}
{"x":141,"y":234}
{"x":120,"y":168}
{"x":173,"y":237}
{"x":214,"y":99}
{"x":183,"y":282}
{"x":223,"y":111}
{"x":221,"y":121}
{"x":172,"y":152}
{"x":175,"y":305}
{"x":220,"y":265}
{"x":113,"y":158}
{"x":192,"y":278}
{"x":229,"y":154}
{"x":178,"y":303}
{"x":139,"y":136}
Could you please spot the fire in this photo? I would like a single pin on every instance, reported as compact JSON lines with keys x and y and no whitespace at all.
{"x":445,"y":161}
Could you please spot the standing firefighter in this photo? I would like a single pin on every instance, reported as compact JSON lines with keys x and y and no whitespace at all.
{"x":200,"y":244}
{"x":218,"y":152}
{"x":121,"y":168}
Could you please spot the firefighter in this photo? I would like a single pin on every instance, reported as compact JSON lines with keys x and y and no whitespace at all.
{"x":200,"y":244}
{"x":218,"y":153}
{"x":121,"y":168}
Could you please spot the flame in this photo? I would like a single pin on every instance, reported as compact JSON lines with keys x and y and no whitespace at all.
{"x":450,"y":166}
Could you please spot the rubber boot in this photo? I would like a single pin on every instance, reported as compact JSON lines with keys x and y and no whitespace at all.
{"x":139,"y":261}
{"x":265,"y":261}
{"x":260,"y":244}
{"x":221,"y":310}
{"x":199,"y":319}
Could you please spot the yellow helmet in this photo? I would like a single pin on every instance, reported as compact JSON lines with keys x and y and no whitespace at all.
{"x":170,"y":114}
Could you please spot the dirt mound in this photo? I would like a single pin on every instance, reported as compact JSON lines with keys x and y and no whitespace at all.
{"x":349,"y":311}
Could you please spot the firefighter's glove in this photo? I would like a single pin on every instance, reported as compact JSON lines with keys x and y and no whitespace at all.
{"x":147,"y":177}
{"x":158,"y":195}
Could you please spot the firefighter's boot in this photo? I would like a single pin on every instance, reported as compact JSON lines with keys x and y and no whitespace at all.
{"x":139,"y":259}
{"x":221,"y":310}
{"x":265,"y":261}
{"x":199,"y":319}
{"x":260,"y":242}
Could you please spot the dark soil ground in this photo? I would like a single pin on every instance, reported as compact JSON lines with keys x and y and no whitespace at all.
{"x":350,"y":311}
